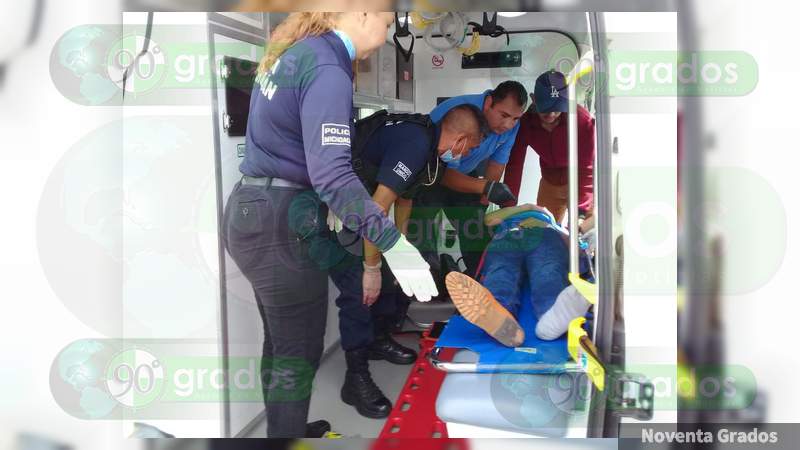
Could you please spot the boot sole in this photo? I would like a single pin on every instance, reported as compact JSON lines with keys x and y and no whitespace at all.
{"x":361,"y":411}
{"x":479,"y":307}
{"x":380,"y":357}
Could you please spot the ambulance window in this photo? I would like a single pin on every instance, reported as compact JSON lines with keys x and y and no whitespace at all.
{"x":238,"y":86}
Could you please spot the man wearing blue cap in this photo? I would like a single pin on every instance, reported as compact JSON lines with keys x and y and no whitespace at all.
{"x":544,"y":128}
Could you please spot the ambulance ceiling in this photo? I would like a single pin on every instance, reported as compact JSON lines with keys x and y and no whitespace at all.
{"x":573,"y":23}
{"x":564,"y":21}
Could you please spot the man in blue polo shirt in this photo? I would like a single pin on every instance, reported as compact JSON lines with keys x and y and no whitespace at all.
{"x":472,"y":181}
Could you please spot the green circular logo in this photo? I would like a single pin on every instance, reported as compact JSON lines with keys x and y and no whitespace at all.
{"x":135,"y":378}
{"x":145,"y":71}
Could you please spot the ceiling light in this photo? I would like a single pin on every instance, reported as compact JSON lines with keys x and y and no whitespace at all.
{"x":402,"y":18}
{"x":511,"y":14}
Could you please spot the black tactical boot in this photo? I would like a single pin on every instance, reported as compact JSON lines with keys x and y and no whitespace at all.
{"x":384,"y":347}
{"x":359,"y":390}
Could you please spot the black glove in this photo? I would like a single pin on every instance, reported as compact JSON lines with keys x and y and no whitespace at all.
{"x":498,"y":192}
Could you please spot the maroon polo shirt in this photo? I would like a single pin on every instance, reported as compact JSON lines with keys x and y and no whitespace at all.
{"x":551,"y":146}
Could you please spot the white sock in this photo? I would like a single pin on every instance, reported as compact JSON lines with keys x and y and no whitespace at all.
{"x":569,"y":305}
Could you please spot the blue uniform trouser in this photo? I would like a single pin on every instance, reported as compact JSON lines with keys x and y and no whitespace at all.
{"x":540,"y":254}
{"x":359,"y":323}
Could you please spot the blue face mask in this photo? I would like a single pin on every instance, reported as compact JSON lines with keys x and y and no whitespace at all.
{"x":348,"y":43}
{"x":448,"y":158}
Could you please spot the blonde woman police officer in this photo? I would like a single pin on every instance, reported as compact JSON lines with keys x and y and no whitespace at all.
{"x":298,"y":147}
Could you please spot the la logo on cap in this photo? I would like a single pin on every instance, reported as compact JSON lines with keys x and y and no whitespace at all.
{"x":554,"y":92}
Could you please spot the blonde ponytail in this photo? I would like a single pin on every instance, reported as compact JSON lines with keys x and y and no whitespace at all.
{"x":294,"y":28}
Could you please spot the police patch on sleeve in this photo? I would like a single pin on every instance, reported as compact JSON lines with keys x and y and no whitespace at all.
{"x":335,"y":134}
{"x":403,"y":171}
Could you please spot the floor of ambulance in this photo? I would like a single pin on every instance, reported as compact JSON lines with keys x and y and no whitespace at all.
{"x":326,"y":403}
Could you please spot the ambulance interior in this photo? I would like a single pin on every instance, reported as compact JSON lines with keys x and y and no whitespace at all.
{"x":455,"y":401}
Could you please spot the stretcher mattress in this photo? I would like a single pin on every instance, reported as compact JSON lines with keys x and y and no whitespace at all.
{"x":494,"y":356}
{"x":538,"y":404}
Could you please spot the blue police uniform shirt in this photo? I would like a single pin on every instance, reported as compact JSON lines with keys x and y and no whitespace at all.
{"x":299,"y":129}
{"x":400,"y":152}
{"x":496,"y":147}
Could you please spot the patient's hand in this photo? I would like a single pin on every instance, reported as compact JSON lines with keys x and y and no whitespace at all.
{"x":497,"y":217}
{"x":586,"y":225}
{"x":588,"y":234}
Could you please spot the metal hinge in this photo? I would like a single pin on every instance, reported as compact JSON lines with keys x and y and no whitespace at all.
{"x":630,"y":395}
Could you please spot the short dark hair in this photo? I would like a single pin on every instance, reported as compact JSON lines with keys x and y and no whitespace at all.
{"x":510,"y":87}
{"x":466,"y":118}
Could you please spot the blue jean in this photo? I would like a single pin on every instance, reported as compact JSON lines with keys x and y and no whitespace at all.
{"x":538,"y":253}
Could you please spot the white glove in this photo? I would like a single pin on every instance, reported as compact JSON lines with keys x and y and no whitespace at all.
{"x":411,"y":271}
{"x":371,"y":283}
{"x":334,"y":224}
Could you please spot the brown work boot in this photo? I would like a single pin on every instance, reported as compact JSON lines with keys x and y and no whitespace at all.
{"x":480,"y":308}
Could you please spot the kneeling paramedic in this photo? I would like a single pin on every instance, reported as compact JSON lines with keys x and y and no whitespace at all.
{"x":395,"y":156}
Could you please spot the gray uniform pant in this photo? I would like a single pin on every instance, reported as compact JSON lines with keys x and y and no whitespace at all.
{"x":261,"y":233}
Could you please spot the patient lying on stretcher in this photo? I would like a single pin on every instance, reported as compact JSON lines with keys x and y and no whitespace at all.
{"x":528,"y":249}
